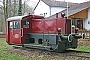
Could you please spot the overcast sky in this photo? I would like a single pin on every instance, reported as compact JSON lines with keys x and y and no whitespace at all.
{"x":34,"y":2}
{"x":75,"y":1}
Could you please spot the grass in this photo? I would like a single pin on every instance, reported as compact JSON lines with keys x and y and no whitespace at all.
{"x":4,"y":54}
{"x":84,"y":47}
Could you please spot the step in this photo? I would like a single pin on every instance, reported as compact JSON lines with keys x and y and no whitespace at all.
{"x":37,"y":46}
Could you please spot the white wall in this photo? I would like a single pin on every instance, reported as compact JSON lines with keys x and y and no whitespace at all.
{"x":55,"y":10}
{"x":42,"y":8}
{"x":87,"y":26}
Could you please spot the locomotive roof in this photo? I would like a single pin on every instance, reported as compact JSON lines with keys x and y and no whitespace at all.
{"x":20,"y":17}
{"x":15,"y":18}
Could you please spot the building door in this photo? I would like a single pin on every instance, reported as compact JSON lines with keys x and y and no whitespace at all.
{"x":80,"y":24}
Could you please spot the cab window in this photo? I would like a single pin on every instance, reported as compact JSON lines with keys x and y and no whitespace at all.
{"x":11,"y":25}
{"x":16,"y":25}
{"x":25,"y":24}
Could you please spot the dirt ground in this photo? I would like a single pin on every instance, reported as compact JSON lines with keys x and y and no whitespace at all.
{"x":34,"y":54}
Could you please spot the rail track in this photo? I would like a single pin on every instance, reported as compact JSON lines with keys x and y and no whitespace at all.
{"x":68,"y":53}
{"x":2,"y":35}
{"x":76,"y":53}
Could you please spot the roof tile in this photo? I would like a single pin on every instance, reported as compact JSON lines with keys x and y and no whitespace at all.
{"x":74,"y":9}
{"x":53,"y":3}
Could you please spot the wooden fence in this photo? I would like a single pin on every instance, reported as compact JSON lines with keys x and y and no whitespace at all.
{"x":87,"y":33}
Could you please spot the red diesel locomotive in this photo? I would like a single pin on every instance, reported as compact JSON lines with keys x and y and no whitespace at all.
{"x":35,"y":31}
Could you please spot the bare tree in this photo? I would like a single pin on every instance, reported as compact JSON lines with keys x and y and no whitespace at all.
{"x":14,"y":10}
{"x":5,"y":7}
{"x":26,"y":9}
{"x":10,"y":8}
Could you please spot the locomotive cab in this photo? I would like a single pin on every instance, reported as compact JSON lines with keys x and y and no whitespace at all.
{"x":14,"y":31}
{"x":18,"y":28}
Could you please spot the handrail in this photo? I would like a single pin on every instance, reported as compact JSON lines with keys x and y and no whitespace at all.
{"x":21,"y":32}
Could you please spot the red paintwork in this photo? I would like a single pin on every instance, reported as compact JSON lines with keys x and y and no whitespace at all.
{"x":7,"y":31}
{"x":16,"y":37}
{"x":61,"y":23}
{"x":48,"y":25}
{"x":37,"y":25}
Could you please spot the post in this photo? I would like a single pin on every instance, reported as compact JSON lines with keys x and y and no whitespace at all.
{"x":89,"y":34}
{"x":56,"y":15}
{"x":67,"y":9}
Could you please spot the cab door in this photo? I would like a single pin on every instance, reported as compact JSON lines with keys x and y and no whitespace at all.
{"x":16,"y":32}
{"x":25,"y":29}
{"x":10,"y":32}
{"x":14,"y":36}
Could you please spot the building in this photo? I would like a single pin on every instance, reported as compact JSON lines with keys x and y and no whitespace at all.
{"x":80,"y":15}
{"x":50,"y":7}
